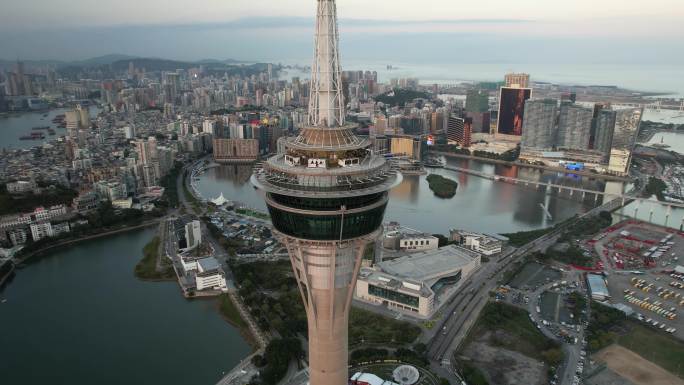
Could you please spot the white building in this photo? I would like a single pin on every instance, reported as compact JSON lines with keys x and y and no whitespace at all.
{"x":368,"y":379}
{"x":400,"y":238}
{"x":419,"y":283}
{"x":418,"y":242}
{"x":193,"y":234}
{"x":41,"y":230}
{"x":210,"y":275}
{"x":482,"y":243}
{"x":20,"y":187}
{"x":129,"y":132}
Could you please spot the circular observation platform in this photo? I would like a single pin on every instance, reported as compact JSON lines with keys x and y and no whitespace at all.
{"x":328,"y":139}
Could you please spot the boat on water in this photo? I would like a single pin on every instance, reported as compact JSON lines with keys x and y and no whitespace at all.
{"x":661,"y":144}
{"x":41,"y":128}
{"x":51,"y":131}
{"x":33,"y":136}
{"x":435,"y":163}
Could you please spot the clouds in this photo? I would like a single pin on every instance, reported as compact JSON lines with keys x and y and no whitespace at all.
{"x":393,"y":30}
{"x":33,"y":14}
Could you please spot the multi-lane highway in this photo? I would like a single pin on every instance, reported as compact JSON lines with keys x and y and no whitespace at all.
{"x":464,"y":308}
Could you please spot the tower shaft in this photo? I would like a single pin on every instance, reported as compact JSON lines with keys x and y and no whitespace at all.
{"x":326,"y":274}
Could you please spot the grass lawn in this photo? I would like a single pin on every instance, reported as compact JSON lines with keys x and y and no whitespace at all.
{"x":147,"y":267}
{"x":662,"y":349}
{"x":375,"y":328}
{"x":527,"y":339}
{"x":231,"y":312}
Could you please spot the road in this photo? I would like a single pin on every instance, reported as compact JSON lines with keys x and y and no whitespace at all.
{"x":465,"y":308}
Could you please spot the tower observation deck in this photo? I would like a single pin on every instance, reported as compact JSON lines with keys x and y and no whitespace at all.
{"x":326,"y":195}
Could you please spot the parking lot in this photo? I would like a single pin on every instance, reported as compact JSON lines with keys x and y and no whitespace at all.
{"x":534,"y":275}
{"x":646,"y":284}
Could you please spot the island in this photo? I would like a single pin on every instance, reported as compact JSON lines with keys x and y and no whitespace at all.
{"x":441,"y":186}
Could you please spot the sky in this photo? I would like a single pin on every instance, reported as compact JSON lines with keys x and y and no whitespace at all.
{"x":429,"y":31}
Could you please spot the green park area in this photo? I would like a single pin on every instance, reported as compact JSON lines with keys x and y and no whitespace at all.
{"x":657,"y":347}
{"x":146,"y":269}
{"x":610,"y":326}
{"x":441,"y":186}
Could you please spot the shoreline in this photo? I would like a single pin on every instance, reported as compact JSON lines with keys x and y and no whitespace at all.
{"x":646,"y":141}
{"x":57,"y":245}
{"x":547,"y":168}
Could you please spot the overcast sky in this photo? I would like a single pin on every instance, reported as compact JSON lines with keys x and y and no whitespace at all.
{"x":584,"y":31}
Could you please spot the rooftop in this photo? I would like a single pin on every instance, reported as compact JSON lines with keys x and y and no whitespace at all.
{"x":426,"y":265}
{"x":208,"y":264}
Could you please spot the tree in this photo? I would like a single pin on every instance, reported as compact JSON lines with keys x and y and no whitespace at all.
{"x":606,"y":216}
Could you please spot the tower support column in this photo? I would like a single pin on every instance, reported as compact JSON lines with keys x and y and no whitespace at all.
{"x":326,"y":273}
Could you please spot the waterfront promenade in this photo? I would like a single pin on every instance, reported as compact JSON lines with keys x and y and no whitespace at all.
{"x":614,"y":178}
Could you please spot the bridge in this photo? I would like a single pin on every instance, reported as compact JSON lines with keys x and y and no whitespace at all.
{"x":657,"y":106}
{"x":550,"y":187}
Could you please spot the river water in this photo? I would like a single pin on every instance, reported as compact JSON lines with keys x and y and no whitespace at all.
{"x":80,"y":317}
{"x":15,"y":125}
{"x":479,"y":205}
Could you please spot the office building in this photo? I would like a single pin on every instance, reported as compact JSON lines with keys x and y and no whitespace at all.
{"x":129,"y":132}
{"x":403,"y":239}
{"x":235,"y":150}
{"x":539,"y":127}
{"x":477,"y":101}
{"x":627,"y":122}
{"x":417,"y":284}
{"x":574,"y":127}
{"x":193,"y":234}
{"x":512,"y":110}
{"x":520,"y":80}
{"x":209,"y":275}
{"x":326,"y":195}
{"x":406,"y":145}
{"x":604,"y":126}
{"x":459,"y":131}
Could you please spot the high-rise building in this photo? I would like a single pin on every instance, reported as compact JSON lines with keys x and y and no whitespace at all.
{"x":459,"y":130}
{"x":520,"y":80}
{"x":627,"y":122}
{"x":477,"y":101}
{"x":235,"y":150}
{"x":604,"y":126}
{"x":407,"y":145}
{"x":512,"y":110}
{"x":539,"y":128}
{"x":592,"y":138}
{"x":574,"y":126}
{"x":326,"y":195}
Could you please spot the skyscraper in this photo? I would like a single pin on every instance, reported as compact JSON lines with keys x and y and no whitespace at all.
{"x":627,"y":122}
{"x":512,"y":110}
{"x":459,"y":130}
{"x":539,"y":128}
{"x":574,"y":126}
{"x":326,"y":194}
{"x":604,"y":126}
{"x":477,"y":101}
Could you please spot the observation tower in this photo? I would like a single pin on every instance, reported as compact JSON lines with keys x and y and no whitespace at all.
{"x":326,"y":195}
